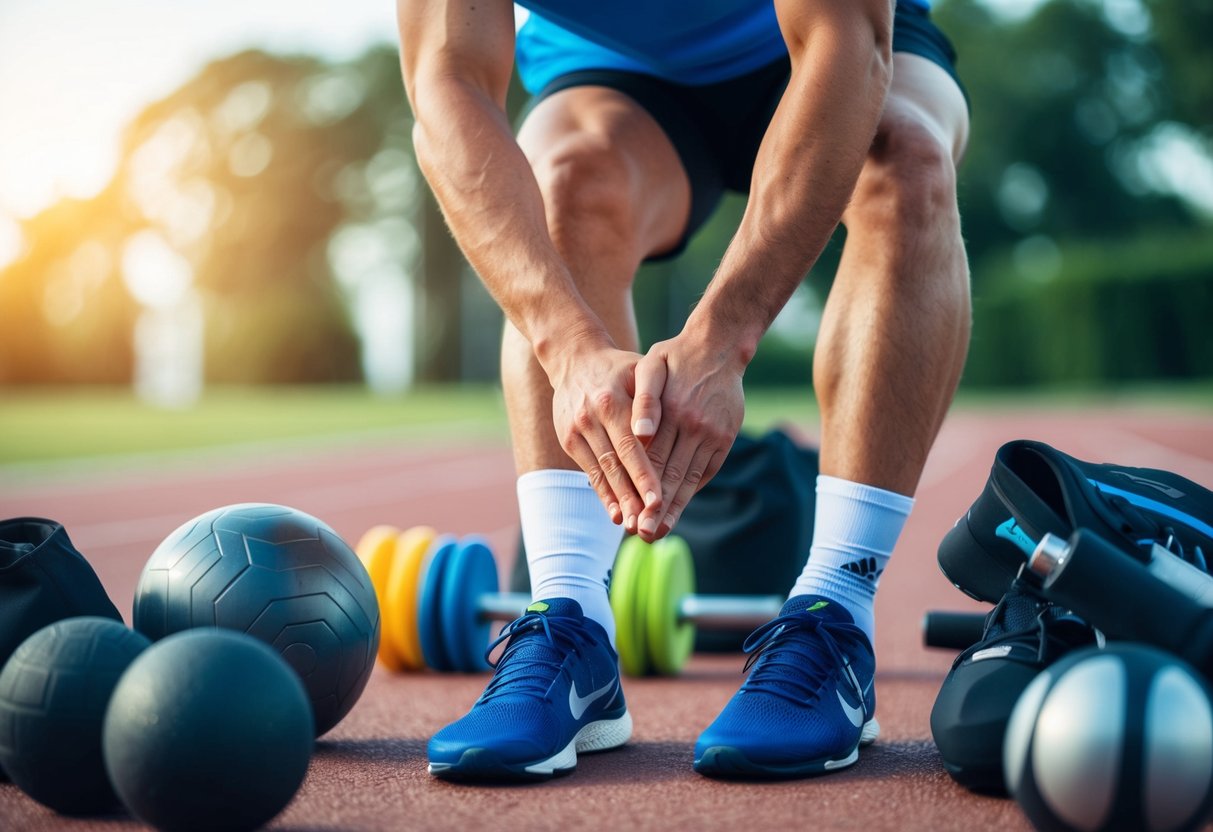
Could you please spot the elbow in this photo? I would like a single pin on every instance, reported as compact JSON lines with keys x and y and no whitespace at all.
{"x":878,"y":35}
{"x":857,"y":29}
{"x":872,"y":33}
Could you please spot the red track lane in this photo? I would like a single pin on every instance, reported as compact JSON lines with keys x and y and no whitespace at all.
{"x":369,"y":772}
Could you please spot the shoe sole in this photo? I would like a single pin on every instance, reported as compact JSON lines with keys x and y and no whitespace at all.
{"x":484,"y":764}
{"x":729,"y":762}
{"x":980,"y":779}
{"x":972,"y":568}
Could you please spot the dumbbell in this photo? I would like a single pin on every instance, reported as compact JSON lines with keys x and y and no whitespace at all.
{"x":1085,"y":573}
{"x":952,"y":630}
{"x":657,"y":610}
{"x":439,"y":594}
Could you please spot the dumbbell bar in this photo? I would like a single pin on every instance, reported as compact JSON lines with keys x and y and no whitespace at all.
{"x":438,"y":596}
{"x":1157,"y":601}
{"x":952,"y":630}
{"x":725,"y":613}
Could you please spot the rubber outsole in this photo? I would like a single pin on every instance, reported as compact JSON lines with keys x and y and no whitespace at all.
{"x":980,"y":779}
{"x":485,"y":765}
{"x":972,"y":568}
{"x":728,"y":762}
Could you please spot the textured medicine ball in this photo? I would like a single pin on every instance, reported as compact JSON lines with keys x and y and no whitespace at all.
{"x":53,"y":694}
{"x":208,"y":730}
{"x":279,"y":575}
{"x":1113,"y":739}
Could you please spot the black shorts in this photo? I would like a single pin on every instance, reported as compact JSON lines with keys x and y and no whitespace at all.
{"x":717,"y":128}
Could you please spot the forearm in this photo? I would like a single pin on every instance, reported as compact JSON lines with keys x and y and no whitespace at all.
{"x":493,"y":206}
{"x":804,"y":174}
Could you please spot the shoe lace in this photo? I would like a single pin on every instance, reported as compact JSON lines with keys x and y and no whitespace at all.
{"x":1150,"y":532}
{"x":787,"y":659}
{"x":1052,"y":631}
{"x":535,"y":648}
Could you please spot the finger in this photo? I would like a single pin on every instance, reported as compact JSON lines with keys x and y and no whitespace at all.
{"x":580,"y":452}
{"x":672,"y":453}
{"x":694,"y":478}
{"x":659,"y":450}
{"x":714,"y":466}
{"x":650,"y":381}
{"x":618,"y":478}
{"x":641,"y":474}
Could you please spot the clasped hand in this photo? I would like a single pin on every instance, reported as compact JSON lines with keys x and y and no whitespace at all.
{"x":649,"y":431}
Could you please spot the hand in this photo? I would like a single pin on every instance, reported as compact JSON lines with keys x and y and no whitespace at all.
{"x":591,"y":409}
{"x":688,"y":409}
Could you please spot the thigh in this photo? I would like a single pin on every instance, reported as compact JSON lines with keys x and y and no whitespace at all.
{"x":926,"y":92}
{"x":925,"y":97}
{"x":585,"y":122}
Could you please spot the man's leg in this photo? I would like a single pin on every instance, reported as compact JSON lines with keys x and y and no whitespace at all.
{"x":614,"y":192}
{"x":894,"y":335}
{"x":890,"y":353}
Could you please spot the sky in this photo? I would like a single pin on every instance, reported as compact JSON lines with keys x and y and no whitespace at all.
{"x":73,"y":73}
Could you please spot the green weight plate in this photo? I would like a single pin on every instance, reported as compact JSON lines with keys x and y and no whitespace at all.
{"x":627,"y":602}
{"x":670,"y":577}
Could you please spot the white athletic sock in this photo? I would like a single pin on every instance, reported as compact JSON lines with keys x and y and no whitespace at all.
{"x":570,"y":541}
{"x":855,"y":528}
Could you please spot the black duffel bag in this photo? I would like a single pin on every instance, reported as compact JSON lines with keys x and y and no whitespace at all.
{"x":43,"y":579}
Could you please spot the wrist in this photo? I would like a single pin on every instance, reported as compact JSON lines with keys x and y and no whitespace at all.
{"x":560,"y":345}
{"x":730,"y":337}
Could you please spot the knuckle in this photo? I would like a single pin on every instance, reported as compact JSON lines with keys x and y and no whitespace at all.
{"x":598,"y":480}
{"x":604,"y":400}
{"x":583,"y":420}
{"x":646,"y":400}
{"x":609,"y":463}
{"x":678,"y":504}
{"x":629,"y":446}
{"x":568,"y":443}
{"x":673,"y":474}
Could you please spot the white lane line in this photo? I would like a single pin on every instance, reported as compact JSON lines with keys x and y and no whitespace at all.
{"x":104,"y":475}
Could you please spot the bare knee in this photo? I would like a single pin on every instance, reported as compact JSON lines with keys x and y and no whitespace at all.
{"x":908,"y":182}
{"x":588,"y":193}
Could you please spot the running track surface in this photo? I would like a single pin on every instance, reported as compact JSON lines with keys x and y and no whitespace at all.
{"x":369,"y":772}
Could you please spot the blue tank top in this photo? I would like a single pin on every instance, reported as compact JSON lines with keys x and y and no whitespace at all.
{"x":691,"y":42}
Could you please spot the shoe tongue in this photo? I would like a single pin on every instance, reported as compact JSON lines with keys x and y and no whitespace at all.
{"x":565,"y":607}
{"x":1018,"y":611}
{"x":824,"y":607}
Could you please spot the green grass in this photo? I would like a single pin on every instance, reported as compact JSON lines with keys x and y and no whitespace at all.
{"x":75,"y":424}
{"x":48,"y":425}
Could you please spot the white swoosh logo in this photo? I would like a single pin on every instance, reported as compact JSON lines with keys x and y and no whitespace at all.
{"x":578,"y":704}
{"x":855,"y":715}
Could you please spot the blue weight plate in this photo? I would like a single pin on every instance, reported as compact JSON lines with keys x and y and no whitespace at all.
{"x":470,"y":573}
{"x":429,"y":603}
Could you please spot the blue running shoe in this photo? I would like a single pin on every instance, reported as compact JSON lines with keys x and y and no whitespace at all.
{"x":808,"y":703}
{"x":555,"y":691}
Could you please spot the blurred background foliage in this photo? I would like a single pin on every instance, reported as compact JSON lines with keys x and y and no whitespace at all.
{"x":267,"y":225}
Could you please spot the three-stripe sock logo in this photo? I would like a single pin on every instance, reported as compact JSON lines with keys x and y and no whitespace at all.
{"x":864,"y":568}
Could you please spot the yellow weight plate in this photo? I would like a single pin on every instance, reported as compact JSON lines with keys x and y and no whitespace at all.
{"x":377,"y":551}
{"x":402,"y":587}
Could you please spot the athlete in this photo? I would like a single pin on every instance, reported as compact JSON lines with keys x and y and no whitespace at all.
{"x":644,"y":113}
